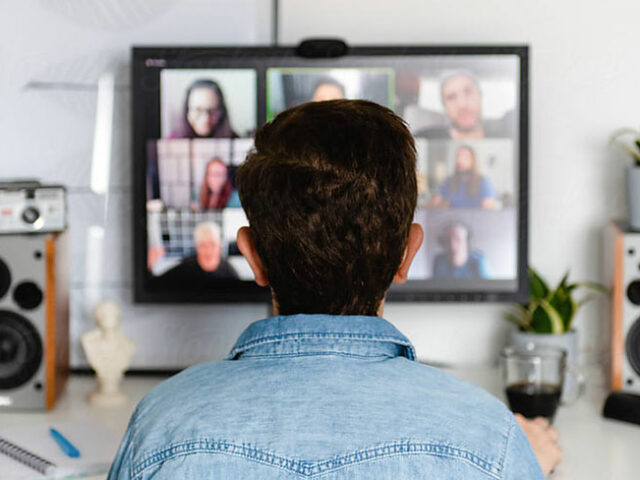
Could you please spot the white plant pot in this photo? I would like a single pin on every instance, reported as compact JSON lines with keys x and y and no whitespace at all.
{"x":568,"y":342}
{"x":633,"y":196}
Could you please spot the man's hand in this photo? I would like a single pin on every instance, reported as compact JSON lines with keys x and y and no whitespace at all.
{"x":544,"y":441}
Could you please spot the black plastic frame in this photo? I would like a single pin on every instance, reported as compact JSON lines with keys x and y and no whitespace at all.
{"x":146,"y":105}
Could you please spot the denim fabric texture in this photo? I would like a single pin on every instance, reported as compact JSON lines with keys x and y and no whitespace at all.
{"x":322,"y":397}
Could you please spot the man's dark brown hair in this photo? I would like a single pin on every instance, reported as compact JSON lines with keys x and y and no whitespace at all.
{"x":330,"y":191}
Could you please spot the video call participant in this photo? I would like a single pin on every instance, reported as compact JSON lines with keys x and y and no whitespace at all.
{"x":458,"y":259}
{"x":461,"y":98}
{"x":466,"y":188}
{"x":207,"y":264}
{"x":327,"y":388}
{"x":205,"y":113}
{"x":217,"y":191}
{"x":327,"y":89}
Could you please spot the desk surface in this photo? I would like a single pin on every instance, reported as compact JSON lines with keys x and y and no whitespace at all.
{"x":594,"y":447}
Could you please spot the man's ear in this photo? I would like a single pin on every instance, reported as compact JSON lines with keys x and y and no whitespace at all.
{"x":248,"y":250}
{"x":413,"y":245}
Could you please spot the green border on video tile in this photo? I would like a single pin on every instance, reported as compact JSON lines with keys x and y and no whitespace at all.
{"x":288,"y":70}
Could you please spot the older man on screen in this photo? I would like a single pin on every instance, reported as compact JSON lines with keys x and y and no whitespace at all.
{"x":207,"y":264}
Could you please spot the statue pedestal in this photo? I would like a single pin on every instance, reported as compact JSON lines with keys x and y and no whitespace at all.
{"x":101,"y":399}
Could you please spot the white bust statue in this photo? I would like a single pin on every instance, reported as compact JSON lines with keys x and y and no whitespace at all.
{"x":109,"y":353}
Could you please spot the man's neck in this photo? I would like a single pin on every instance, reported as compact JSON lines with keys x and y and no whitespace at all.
{"x":275,"y":310}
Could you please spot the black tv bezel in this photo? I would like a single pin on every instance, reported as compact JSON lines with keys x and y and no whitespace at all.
{"x":248,"y":292}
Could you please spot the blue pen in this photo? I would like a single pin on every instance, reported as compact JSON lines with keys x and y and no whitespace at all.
{"x":66,"y":446}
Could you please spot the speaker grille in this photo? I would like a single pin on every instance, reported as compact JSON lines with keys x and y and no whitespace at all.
{"x":5,"y":278}
{"x":633,"y":292}
{"x":20,"y":350}
{"x":633,"y":346}
{"x":27,"y":295}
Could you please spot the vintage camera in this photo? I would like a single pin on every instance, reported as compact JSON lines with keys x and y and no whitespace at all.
{"x":26,"y":206}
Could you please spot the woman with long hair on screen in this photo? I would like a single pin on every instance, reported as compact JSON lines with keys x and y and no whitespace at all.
{"x":217,"y":191}
{"x":466,"y":188}
{"x":204,"y":113}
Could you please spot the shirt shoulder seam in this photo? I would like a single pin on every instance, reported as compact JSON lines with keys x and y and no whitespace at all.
{"x":312,"y":469}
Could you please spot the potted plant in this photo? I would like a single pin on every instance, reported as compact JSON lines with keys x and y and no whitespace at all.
{"x":628,"y":139}
{"x":547,"y":319}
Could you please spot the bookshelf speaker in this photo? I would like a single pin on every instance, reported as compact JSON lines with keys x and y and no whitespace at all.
{"x":34,"y":319}
{"x":622,"y":251}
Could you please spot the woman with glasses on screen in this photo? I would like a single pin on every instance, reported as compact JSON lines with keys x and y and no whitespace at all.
{"x":205,"y":113}
{"x":466,"y":188}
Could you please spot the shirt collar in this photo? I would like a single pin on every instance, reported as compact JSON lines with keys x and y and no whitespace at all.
{"x":307,"y":334}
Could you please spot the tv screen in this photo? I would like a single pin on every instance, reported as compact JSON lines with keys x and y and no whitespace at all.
{"x":196,"y":111}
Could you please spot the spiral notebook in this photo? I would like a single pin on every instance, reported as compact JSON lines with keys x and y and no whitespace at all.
{"x":34,"y":446}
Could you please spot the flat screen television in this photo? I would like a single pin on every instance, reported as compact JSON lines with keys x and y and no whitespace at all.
{"x":195,"y":111}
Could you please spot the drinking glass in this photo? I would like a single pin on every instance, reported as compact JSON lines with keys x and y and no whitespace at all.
{"x":533,"y":378}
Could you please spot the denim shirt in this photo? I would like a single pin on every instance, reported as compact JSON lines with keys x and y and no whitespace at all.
{"x":322,"y":397}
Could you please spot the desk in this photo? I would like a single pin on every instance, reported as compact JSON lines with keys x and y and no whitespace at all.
{"x":594,"y":447}
{"x":72,"y":405}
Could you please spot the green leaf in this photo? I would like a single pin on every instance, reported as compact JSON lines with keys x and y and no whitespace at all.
{"x":539,"y":288}
{"x":568,"y":323}
{"x":586,"y":299}
{"x":520,"y":316}
{"x":514,"y":318}
{"x":545,"y":319}
{"x":562,"y":302}
{"x":540,"y":321}
{"x":563,"y":282}
{"x":590,"y":285}
{"x":556,"y":321}
{"x":570,"y":288}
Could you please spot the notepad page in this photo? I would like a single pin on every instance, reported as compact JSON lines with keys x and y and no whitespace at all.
{"x":98,"y":447}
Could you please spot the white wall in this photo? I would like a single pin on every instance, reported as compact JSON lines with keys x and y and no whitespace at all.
{"x":46,"y":131}
{"x":584,"y":77}
{"x":584,"y":73}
